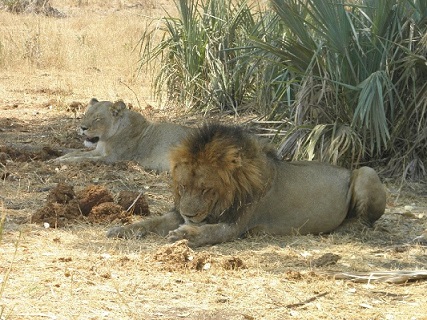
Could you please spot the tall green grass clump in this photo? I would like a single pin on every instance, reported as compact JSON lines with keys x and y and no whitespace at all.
{"x":201,"y":54}
{"x":359,"y":81}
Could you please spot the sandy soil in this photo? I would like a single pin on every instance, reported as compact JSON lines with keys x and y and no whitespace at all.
{"x":76,"y":273}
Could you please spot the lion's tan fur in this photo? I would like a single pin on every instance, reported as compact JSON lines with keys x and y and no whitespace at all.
{"x":126,"y":135}
{"x":227,"y":182}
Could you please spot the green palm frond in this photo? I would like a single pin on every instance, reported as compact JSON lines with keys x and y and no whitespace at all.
{"x":364,"y":65}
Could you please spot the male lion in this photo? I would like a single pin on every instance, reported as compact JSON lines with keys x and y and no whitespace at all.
{"x":121,"y":134}
{"x":227,"y":182}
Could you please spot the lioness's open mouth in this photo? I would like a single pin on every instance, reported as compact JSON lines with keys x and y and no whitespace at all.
{"x":93,"y":140}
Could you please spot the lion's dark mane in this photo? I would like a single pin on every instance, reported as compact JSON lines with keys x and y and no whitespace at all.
{"x":232,"y":135}
{"x":241,"y":160}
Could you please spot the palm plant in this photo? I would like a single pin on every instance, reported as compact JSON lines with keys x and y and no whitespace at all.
{"x":346,"y":79}
{"x":360,"y":70}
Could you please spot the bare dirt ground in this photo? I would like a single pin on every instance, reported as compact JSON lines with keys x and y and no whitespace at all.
{"x":75,"y":272}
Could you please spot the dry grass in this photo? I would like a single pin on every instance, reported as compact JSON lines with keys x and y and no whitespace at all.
{"x":77,"y":273}
{"x":93,"y":51}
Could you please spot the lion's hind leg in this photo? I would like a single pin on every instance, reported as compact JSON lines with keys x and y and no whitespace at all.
{"x":368,"y":196}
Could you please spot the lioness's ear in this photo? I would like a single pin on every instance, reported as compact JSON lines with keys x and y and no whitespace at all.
{"x":117,"y":108}
{"x":92,"y":102}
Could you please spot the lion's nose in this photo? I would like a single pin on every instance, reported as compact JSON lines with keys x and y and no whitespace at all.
{"x":83,"y":128}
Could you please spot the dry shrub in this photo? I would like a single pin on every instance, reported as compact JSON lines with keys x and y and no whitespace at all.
{"x":76,"y":55}
{"x":32,"y":6}
{"x":82,"y":46}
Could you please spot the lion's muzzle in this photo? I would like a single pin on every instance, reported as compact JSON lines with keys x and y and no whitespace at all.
{"x":194,"y":213}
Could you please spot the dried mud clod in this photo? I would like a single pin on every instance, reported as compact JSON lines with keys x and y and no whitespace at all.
{"x":133,"y":201}
{"x":62,"y":193}
{"x":58,"y":215}
{"x":25,"y":153}
{"x":233,"y":263}
{"x":326,"y":259}
{"x":179,"y":255}
{"x":93,"y":204}
{"x":107,"y":212}
{"x":92,"y":196}
{"x":61,"y":207}
{"x":178,"y":252}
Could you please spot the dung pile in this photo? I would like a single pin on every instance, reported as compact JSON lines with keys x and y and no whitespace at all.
{"x":94,"y":204}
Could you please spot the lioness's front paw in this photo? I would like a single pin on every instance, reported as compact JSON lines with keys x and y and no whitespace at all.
{"x":54,"y":161}
{"x":62,"y":159}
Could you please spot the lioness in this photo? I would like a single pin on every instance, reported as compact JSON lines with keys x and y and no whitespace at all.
{"x":122,"y":134}
{"x":227,"y":182}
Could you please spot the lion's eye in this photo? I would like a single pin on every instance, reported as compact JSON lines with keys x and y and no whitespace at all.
{"x":181,"y":188}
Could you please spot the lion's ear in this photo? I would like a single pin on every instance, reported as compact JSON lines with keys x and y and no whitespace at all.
{"x":117,"y":108}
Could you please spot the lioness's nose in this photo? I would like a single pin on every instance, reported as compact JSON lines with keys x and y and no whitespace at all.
{"x":83,"y":128}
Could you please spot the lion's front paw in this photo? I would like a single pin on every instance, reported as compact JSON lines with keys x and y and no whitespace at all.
{"x":191,"y":233}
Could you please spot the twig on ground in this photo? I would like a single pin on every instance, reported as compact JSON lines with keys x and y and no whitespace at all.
{"x":134,"y":201}
{"x":299,"y":304}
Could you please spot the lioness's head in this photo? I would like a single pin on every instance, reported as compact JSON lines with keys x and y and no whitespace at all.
{"x":214,"y":169}
{"x":100,"y":120}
